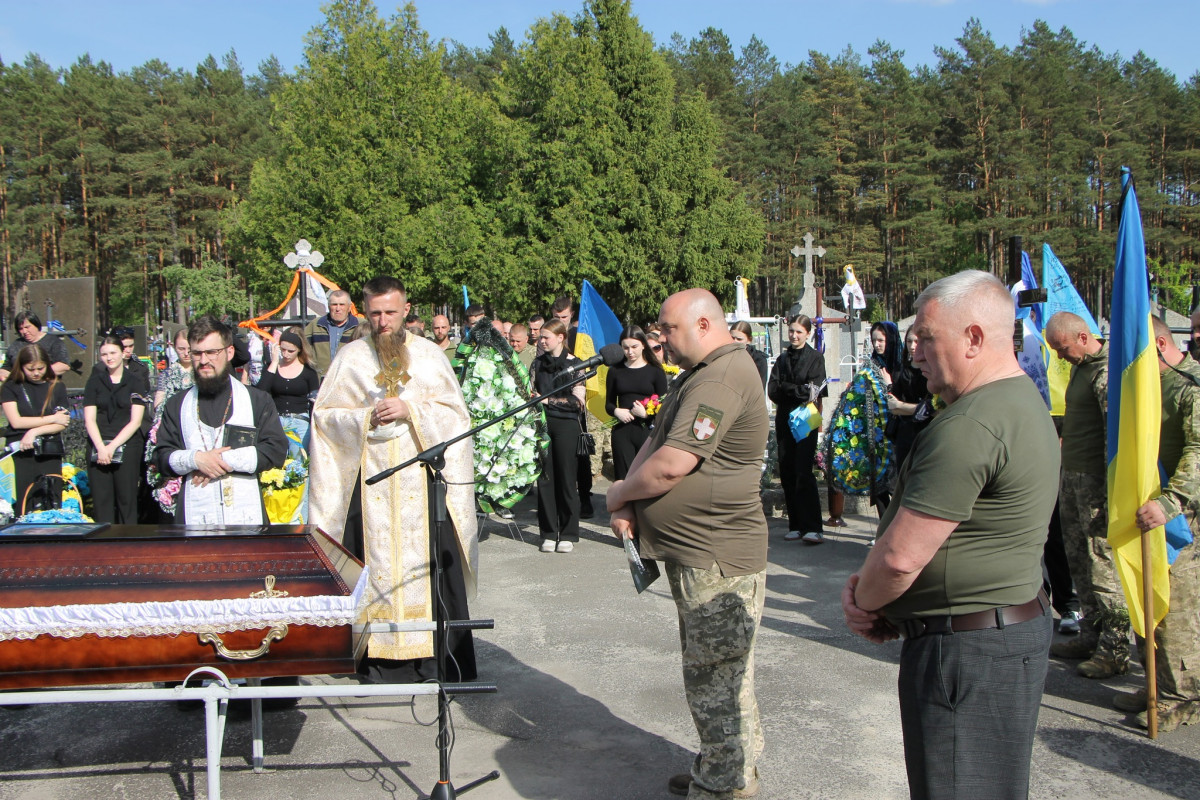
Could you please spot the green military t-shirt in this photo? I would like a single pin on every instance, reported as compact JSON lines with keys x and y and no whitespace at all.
{"x":1179,"y":441}
{"x":990,"y":462}
{"x":1085,"y":422}
{"x":717,"y":412}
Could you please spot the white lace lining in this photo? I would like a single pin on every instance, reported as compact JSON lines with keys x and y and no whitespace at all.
{"x":180,"y":616}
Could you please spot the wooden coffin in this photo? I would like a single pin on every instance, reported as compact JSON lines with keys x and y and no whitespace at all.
{"x":144,"y":603}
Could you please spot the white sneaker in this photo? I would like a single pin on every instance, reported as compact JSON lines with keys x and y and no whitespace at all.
{"x":812,"y":537}
{"x":548,"y":545}
{"x":1070,"y":622}
{"x":565,"y":547}
{"x":791,"y":536}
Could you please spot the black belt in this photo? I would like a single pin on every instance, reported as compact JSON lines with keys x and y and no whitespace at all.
{"x":976,"y":621}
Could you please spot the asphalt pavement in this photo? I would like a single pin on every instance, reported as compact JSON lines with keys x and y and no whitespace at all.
{"x":591,"y":704}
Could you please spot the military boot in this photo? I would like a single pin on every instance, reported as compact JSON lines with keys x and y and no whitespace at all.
{"x":1103,"y":665}
{"x":1081,"y":647}
{"x":1132,"y":703}
{"x":1172,"y":715}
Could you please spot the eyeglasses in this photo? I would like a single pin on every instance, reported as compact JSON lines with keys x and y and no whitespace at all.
{"x":656,"y":348}
{"x":207,"y":353}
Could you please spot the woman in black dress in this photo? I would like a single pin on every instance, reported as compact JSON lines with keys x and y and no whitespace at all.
{"x":627,"y":386}
{"x":35,"y":404}
{"x":292,"y":383}
{"x":113,"y":404}
{"x":558,"y":494}
{"x":797,"y":371}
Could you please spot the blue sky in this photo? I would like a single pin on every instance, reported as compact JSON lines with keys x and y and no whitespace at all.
{"x":127,"y":33}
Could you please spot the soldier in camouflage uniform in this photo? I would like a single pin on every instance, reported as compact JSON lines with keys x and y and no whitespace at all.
{"x":1177,"y":656}
{"x":1103,"y":639}
{"x":701,"y":467}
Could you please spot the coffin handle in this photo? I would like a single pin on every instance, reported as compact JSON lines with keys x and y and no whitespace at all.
{"x":276,"y":633}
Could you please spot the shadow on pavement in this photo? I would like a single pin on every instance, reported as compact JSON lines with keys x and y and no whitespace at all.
{"x":1144,"y":762}
{"x":562,"y":744}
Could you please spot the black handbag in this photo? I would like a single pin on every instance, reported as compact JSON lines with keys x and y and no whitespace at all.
{"x":118,"y":455}
{"x":587,"y":443}
{"x":49,"y":445}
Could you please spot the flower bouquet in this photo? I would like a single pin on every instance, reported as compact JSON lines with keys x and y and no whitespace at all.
{"x":164,"y":490}
{"x":283,"y":489}
{"x":506,"y":454}
{"x":652,"y":404}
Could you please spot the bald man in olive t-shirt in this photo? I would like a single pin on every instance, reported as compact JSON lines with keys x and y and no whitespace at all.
{"x":691,"y":495}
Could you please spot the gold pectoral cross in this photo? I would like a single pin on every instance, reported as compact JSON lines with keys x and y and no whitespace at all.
{"x":391,"y":377}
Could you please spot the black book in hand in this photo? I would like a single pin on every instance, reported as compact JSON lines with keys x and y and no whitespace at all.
{"x":240,"y":436}
{"x":644,"y":571}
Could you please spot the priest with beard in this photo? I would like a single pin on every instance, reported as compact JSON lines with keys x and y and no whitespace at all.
{"x":218,"y":436}
{"x":385,"y":399}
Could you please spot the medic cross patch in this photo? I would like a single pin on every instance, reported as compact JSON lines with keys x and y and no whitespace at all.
{"x":708,"y":419}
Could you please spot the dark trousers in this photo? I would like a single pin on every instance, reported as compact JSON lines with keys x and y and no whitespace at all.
{"x":968,"y":708}
{"x":115,"y":489}
{"x":1057,"y":573}
{"x":627,"y":439}
{"x":798,"y":482}
{"x":558,"y":499}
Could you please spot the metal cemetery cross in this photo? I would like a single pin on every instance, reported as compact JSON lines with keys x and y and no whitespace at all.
{"x":304,"y":258}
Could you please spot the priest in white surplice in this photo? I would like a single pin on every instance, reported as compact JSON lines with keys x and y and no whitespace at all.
{"x":384,"y":399}
{"x":218,"y":435}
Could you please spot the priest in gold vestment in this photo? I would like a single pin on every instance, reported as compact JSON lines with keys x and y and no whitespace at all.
{"x":384,"y":399}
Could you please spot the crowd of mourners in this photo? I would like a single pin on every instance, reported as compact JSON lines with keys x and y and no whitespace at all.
{"x":954,"y":441}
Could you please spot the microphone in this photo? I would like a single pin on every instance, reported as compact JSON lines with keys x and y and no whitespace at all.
{"x":609,"y":355}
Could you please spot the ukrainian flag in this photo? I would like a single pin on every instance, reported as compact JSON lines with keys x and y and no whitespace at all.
{"x":1134,"y":417}
{"x":1061,"y":295}
{"x":598,"y":326}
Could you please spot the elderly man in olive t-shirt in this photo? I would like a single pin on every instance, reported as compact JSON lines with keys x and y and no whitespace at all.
{"x":957,"y":569}
{"x":691,"y":496}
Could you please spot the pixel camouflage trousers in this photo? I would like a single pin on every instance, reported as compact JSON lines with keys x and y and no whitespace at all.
{"x":718,"y":620}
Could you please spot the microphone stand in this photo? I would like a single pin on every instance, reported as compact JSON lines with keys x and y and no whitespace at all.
{"x":434,"y":461}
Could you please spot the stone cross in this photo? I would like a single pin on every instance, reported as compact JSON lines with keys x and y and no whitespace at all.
{"x":808,"y":299}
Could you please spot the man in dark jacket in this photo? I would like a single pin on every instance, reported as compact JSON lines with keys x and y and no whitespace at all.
{"x":326,"y":333}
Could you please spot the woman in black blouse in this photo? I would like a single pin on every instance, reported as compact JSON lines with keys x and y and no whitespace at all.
{"x":292,"y":383}
{"x":909,"y":402}
{"x":626,"y":387}
{"x":35,"y":404}
{"x":796,"y":372}
{"x":113,"y":404}
{"x":558,"y":495}
{"x":742,"y":333}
